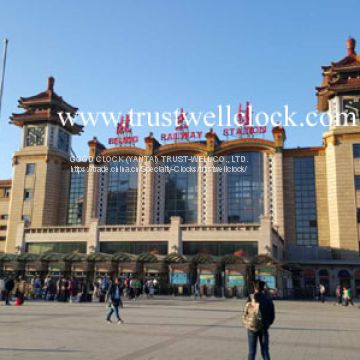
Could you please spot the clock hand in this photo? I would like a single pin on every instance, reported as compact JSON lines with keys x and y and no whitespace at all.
{"x":354,"y":109}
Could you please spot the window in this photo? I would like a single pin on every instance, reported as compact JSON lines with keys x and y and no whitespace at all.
{"x":3,"y":227}
{"x":122,"y":192}
{"x":57,"y":247}
{"x":244,"y":187}
{"x":63,"y":141}
{"x":76,"y":198}
{"x":7,"y":193}
{"x":305,"y":201}
{"x":356,"y":150}
{"x":27,"y":194}
{"x":357,"y":182}
{"x":221,"y":248}
{"x":2,"y":238}
{"x":135,"y":247}
{"x":4,"y":217}
{"x":4,"y":192}
{"x":358,"y":216}
{"x":30,"y":169}
{"x":181,"y":189}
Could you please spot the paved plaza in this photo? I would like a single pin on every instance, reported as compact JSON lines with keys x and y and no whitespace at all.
{"x":167,"y":329}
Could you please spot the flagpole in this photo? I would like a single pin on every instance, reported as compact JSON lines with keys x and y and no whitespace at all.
{"x":3,"y":73}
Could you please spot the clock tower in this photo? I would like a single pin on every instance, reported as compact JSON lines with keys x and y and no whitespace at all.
{"x":339,"y":93}
{"x":339,"y":96}
{"x":40,"y":181}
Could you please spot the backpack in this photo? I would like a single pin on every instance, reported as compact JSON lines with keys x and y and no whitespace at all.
{"x":252,"y":316}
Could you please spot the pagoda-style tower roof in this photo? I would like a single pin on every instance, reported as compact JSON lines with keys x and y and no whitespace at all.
{"x":340,"y":78}
{"x":44,"y":108}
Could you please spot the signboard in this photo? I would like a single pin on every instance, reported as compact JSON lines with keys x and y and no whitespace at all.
{"x":124,"y":133}
{"x":182,"y":132}
{"x":245,"y":128}
{"x":265,"y":271}
{"x":270,"y":280}
{"x":235,"y":280}
{"x":207,"y":279}
{"x":152,"y":271}
{"x":129,"y":270}
{"x":179,"y":278}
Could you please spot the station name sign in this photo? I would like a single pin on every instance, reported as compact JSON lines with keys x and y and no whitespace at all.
{"x":186,"y":135}
{"x":124,"y":133}
{"x":244,"y":121}
{"x":182,"y":132}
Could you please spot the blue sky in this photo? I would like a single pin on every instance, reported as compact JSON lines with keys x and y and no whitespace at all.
{"x":159,"y":55}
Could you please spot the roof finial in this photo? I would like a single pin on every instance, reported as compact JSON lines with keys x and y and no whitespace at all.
{"x":51,"y":82}
{"x":350,"y":45}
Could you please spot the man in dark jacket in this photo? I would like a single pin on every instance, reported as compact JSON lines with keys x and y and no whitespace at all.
{"x":9,"y":286}
{"x":113,"y":298}
{"x":267,"y":314}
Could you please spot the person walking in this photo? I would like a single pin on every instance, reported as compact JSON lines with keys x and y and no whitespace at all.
{"x":197,"y":290}
{"x":73,"y":289}
{"x":114,"y":301}
{"x":20,"y":291}
{"x":9,"y":286}
{"x":2,"y":288}
{"x":150,"y":283}
{"x":46,"y":287}
{"x":322,"y":291}
{"x":339,"y":295}
{"x":37,"y":287}
{"x":104,"y":287}
{"x":347,"y":296}
{"x":138,"y":288}
{"x":350,"y":298}
{"x":132,"y":288}
{"x":259,"y":315}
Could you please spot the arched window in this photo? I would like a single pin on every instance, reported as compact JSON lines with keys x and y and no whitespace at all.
{"x":344,"y":274}
{"x":357,"y":283}
{"x":323,"y":273}
{"x":344,"y":278}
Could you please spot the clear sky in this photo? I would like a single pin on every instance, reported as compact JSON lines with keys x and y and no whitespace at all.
{"x":159,"y":55}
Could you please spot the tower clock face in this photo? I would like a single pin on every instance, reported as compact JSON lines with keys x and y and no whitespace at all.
{"x":352,"y":106}
{"x":35,"y":136}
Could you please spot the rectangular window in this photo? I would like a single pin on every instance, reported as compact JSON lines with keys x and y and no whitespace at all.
{"x":27,"y":194}
{"x":356,"y":150}
{"x":244,"y":190}
{"x":134,"y":247}
{"x":76,"y":198}
{"x":3,"y":227}
{"x":357,"y":182}
{"x":2,"y":238}
{"x":122,"y":193}
{"x":30,"y":169}
{"x":4,"y":217}
{"x":4,"y":192}
{"x":358,"y":216}
{"x":221,"y":248}
{"x":305,"y":202}
{"x":57,"y":247}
